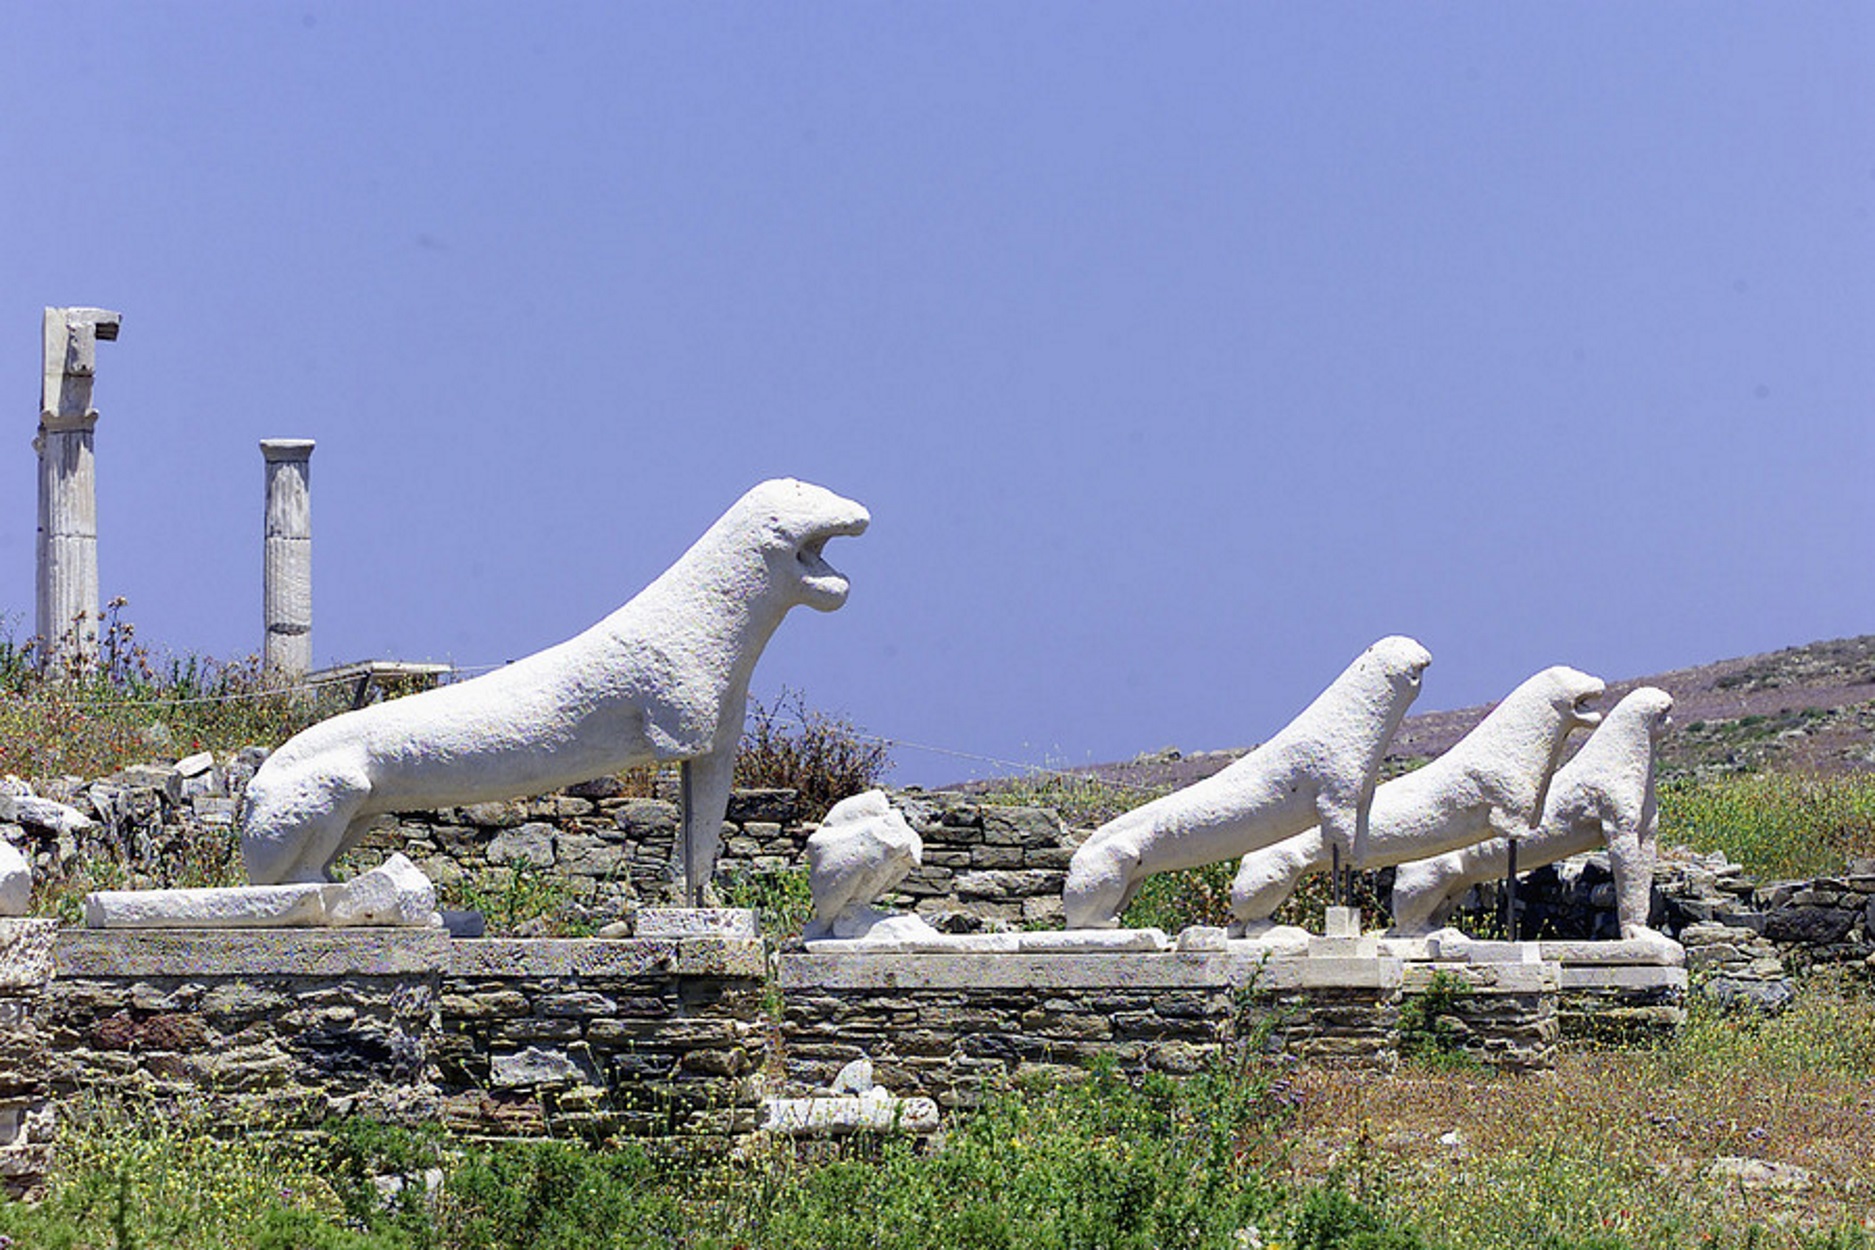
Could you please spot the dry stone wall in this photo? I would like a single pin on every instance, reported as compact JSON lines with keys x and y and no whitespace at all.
{"x":290,"y":1027}
{"x":26,"y":1118}
{"x":494,"y":1038}
{"x":955,"y":1028}
{"x":983,"y":864}
{"x":645,"y":1038}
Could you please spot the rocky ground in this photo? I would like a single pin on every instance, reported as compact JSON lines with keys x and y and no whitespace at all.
{"x":1808,"y":709}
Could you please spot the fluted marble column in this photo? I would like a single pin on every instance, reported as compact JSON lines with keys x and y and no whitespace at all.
{"x":66,"y":583}
{"x":286,"y":592}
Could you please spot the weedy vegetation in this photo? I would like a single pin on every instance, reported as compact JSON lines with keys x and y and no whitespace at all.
{"x":132,"y":705}
{"x":1775,"y":824}
{"x":1616,"y":1150}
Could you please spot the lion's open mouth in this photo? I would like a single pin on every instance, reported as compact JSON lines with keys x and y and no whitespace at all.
{"x":823,"y":582}
{"x":1585,"y":710}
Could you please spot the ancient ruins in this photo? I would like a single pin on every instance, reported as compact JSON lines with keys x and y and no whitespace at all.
{"x":951,"y":946}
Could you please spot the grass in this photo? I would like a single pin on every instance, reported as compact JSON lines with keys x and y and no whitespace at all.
{"x":1774,"y":824}
{"x":131,"y":706}
{"x":1616,"y":1144}
{"x":1099,"y":1163}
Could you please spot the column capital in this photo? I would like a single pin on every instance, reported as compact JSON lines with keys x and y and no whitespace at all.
{"x":286,"y":449}
{"x":69,"y":341}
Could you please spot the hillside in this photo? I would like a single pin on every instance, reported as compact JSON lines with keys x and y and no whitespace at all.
{"x":1804,"y":709}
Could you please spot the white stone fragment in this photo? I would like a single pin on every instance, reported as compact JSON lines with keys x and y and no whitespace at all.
{"x":16,"y":881}
{"x":242,"y":907}
{"x":26,"y":952}
{"x":394,"y":893}
{"x":1491,"y":784}
{"x":536,"y":1065}
{"x":683,"y":922}
{"x":1603,"y":796}
{"x":1074,"y":941}
{"x":664,"y":678}
{"x":1752,"y":1174}
{"x":1341,"y":922}
{"x":1658,"y":951}
{"x":1319,"y":769}
{"x":1283,"y":941}
{"x":26,"y":809}
{"x":874,"y":1112}
{"x":854,"y":1078}
{"x":195,"y":765}
{"x":1200,"y":937}
{"x":862,"y":849}
{"x":881,"y":940}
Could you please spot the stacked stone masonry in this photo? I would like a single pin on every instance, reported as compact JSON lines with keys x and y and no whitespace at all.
{"x":289,"y":1027}
{"x":954,"y":1028}
{"x":508,"y":1037}
{"x":25,"y":1092}
{"x":493,"y":1037}
{"x":644,"y":1038}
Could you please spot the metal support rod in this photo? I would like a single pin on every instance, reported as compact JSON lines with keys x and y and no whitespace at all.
{"x":693,"y":889}
{"x":1510,"y":893}
{"x":1334,"y":880}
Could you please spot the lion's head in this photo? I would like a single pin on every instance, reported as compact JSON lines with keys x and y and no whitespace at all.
{"x":1647,"y":705}
{"x":796,"y":519}
{"x":1571,"y":693}
{"x":1403,"y":660}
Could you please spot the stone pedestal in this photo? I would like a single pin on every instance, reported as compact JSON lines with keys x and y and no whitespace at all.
{"x":1336,"y":1004}
{"x":293,"y":1026}
{"x":286,"y":589}
{"x":954,"y":1027}
{"x":1503,"y":1014}
{"x":643,"y":1037}
{"x":66,"y":608}
{"x":25,"y":1095}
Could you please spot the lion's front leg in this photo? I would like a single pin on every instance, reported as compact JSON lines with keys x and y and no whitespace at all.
{"x":706,"y":782}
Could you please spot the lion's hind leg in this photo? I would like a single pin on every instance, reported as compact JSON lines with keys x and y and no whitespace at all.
{"x":1424,"y":893}
{"x":1266,"y":878}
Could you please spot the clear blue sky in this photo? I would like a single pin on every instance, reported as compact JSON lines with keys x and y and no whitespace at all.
{"x":1179,"y":350}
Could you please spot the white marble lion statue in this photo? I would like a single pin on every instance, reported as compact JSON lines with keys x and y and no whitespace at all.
{"x":1604,"y":796}
{"x":863,"y":848}
{"x":1492,"y":783}
{"x":664,"y":678}
{"x":1319,"y":769}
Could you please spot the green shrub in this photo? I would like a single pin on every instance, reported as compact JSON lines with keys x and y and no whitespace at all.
{"x":1175,"y":900}
{"x":1329,"y":1219}
{"x":1775,"y":825}
{"x":783,"y":901}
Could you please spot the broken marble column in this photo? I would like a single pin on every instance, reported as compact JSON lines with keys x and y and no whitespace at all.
{"x":66,"y":588}
{"x":286,"y":592}
{"x":394,"y":894}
